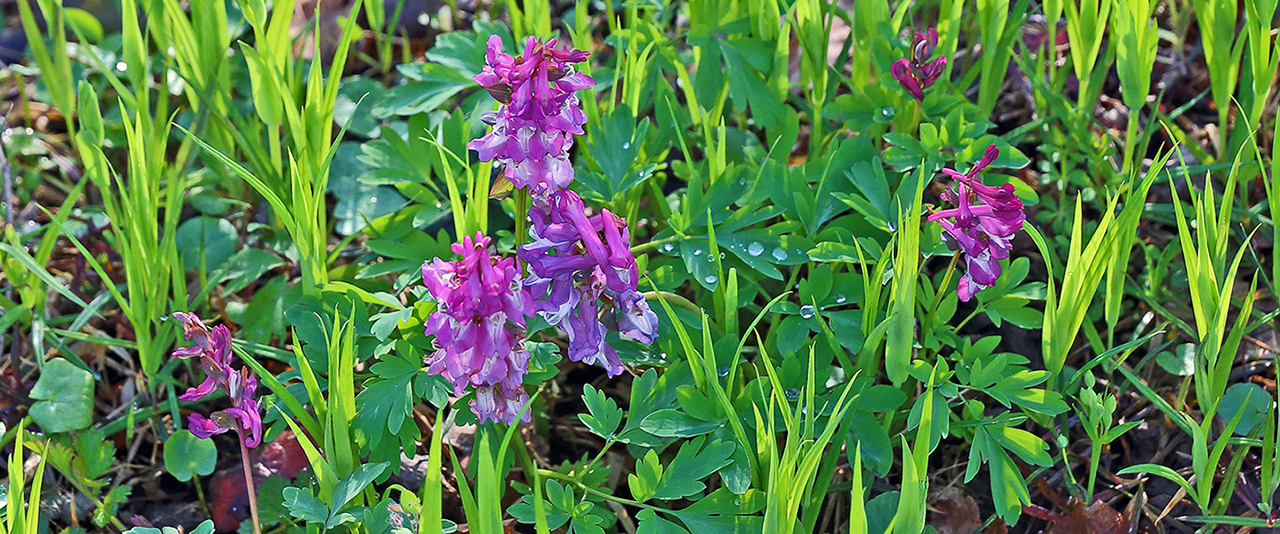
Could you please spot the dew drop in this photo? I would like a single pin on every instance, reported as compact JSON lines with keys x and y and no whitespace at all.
{"x":723,"y":371}
{"x":668,"y":247}
{"x":779,"y":254}
{"x":792,"y":393}
{"x":755,"y":249}
{"x":807,"y":311}
{"x":697,"y":252}
{"x":840,"y":299}
{"x":626,"y":145}
{"x":737,"y":502}
{"x":711,"y":279}
{"x":722,"y":255}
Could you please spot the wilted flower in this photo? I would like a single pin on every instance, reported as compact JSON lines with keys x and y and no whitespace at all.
{"x":919,"y":72}
{"x":534,"y":128}
{"x":479,"y":328}
{"x":981,"y":226}
{"x":576,"y":262}
{"x":214,"y":350}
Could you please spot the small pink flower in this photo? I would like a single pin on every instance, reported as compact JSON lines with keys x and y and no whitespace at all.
{"x":214,"y":350}
{"x":918,"y":72}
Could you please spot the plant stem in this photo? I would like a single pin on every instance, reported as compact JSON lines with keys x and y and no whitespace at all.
{"x":1095,"y":456}
{"x":248,"y":485}
{"x":946,"y":282}
{"x":535,"y":482}
{"x":648,"y":245}
{"x":522,"y":216}
{"x":682,"y":302}
{"x":204,"y":503}
{"x":588,"y":489}
{"x":8,"y":201}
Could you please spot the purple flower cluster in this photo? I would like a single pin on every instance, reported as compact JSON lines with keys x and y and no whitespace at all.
{"x":214,"y":350}
{"x":577,"y":261}
{"x":580,"y":265}
{"x":919,"y":72}
{"x":479,"y":328}
{"x":981,"y":225}
{"x":534,"y":128}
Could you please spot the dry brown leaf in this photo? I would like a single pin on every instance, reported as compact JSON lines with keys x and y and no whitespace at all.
{"x":998,"y":527}
{"x":1098,"y":518}
{"x":954,"y":512}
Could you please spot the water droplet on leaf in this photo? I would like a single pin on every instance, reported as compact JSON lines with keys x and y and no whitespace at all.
{"x":711,"y":279}
{"x":668,"y":247}
{"x":840,"y":299}
{"x":755,"y":249}
{"x":807,"y":311}
{"x":626,"y":145}
{"x":779,"y":254}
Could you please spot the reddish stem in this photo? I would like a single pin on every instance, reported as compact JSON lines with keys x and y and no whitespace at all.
{"x":249,"y":485}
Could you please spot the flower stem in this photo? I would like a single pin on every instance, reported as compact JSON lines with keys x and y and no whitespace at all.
{"x":681,"y":302}
{"x":648,"y":245}
{"x":546,"y":473}
{"x":249,"y":486}
{"x":522,"y":216}
{"x":946,"y":283}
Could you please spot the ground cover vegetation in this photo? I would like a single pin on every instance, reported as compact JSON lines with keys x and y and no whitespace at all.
{"x":658,"y":267}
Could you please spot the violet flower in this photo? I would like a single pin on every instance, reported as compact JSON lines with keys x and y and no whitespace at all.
{"x":981,"y":226}
{"x":578,"y":261}
{"x":534,"y":128}
{"x":919,"y":72}
{"x":214,"y":350}
{"x":479,"y":328}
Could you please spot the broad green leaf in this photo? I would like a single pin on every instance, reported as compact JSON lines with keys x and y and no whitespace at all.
{"x":186,"y":455}
{"x":671,"y":423}
{"x":305,"y":506}
{"x":349,"y":487}
{"x":1181,"y":361}
{"x":64,"y":396}
{"x":1250,"y":401}
{"x":212,"y":239}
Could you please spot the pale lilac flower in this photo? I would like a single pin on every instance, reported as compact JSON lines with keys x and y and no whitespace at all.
{"x":479,"y":328}
{"x":981,"y":226}
{"x":918,"y":72}
{"x":577,"y":262}
{"x":534,"y":128}
{"x":214,"y":350}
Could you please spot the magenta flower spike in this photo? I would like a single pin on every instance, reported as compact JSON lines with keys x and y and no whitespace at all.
{"x":918,"y":72}
{"x":214,"y":350}
{"x":479,"y":328}
{"x":579,"y":263}
{"x":534,"y":128}
{"x":981,"y":226}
